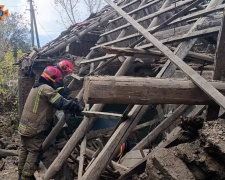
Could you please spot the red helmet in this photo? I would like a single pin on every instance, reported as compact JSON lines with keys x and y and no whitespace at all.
{"x":66,"y":66}
{"x":51,"y":74}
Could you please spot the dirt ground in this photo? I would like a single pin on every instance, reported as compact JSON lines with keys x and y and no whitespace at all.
{"x":8,"y":165}
{"x":9,"y":170}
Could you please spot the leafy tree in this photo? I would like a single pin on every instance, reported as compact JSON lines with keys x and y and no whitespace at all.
{"x":9,"y":83}
{"x":15,"y":39}
{"x":9,"y":92}
{"x":14,"y":33}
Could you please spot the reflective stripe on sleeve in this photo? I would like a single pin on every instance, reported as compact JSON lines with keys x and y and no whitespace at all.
{"x":37,"y":100}
{"x":22,"y":127}
{"x":54,"y":99}
{"x":59,"y":88}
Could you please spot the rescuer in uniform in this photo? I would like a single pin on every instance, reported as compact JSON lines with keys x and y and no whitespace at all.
{"x":37,"y":117}
{"x":65,"y":68}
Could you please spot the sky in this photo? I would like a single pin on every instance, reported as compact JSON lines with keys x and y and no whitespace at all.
{"x":47,"y":17}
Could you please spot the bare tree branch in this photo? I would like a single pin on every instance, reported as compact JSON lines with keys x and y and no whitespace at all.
{"x":71,"y":10}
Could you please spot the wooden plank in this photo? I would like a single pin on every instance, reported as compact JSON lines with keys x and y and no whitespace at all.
{"x":175,"y":38}
{"x":195,"y":77}
{"x":131,"y":52}
{"x":108,"y":131}
{"x":71,"y":143}
{"x":150,"y":3}
{"x":142,"y":164}
{"x":117,"y":166}
{"x":184,"y":18}
{"x":137,"y":90}
{"x":146,"y":124}
{"x":170,"y":8}
{"x":101,"y":115}
{"x":161,"y":127}
{"x":82,"y":153}
{"x":77,"y":77}
{"x":114,"y":143}
{"x":54,"y":132}
{"x":162,"y":35}
{"x":199,"y":14}
{"x":196,"y":34}
{"x":183,"y":48}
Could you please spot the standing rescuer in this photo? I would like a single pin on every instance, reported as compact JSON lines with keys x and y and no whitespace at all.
{"x":65,"y":68}
{"x":37,"y":117}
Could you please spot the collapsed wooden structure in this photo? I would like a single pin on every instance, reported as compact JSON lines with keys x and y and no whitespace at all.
{"x":138,"y":38}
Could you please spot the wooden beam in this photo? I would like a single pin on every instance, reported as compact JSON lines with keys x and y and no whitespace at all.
{"x":157,"y":13}
{"x":54,"y":132}
{"x":134,"y":90}
{"x":71,"y":144}
{"x":108,"y":132}
{"x":113,"y":144}
{"x":117,"y":166}
{"x":184,"y":18}
{"x":146,"y":124}
{"x":183,"y":48}
{"x":5,"y":153}
{"x":102,"y":115}
{"x":81,"y":160}
{"x":142,"y":163}
{"x":196,"y":34}
{"x":175,"y":38}
{"x":161,"y":127}
{"x":137,"y":10}
{"x":77,"y":77}
{"x":163,"y":35}
{"x":194,"y":76}
{"x":131,"y":52}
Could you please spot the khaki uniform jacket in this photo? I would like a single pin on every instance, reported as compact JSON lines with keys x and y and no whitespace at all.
{"x":38,"y":110}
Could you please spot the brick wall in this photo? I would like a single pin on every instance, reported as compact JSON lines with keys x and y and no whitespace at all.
{"x":25,"y":85}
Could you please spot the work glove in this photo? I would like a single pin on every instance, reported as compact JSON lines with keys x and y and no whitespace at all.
{"x":75,"y":100}
{"x":75,"y":108}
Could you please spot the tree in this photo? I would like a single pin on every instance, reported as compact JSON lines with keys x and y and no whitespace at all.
{"x":14,"y":34}
{"x":93,"y":5}
{"x":69,"y":10}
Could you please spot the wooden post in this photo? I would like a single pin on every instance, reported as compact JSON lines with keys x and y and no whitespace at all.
{"x":219,"y":72}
